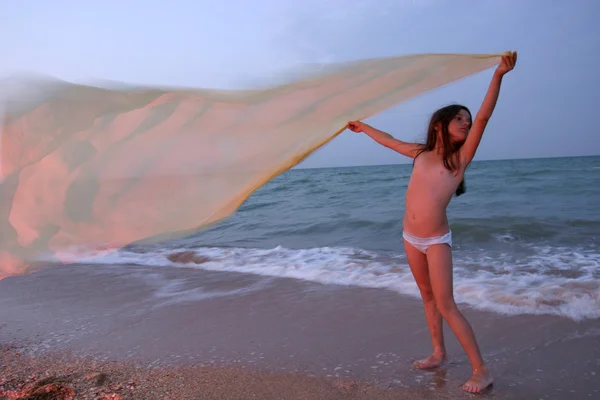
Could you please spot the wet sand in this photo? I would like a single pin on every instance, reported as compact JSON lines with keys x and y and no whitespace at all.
{"x":217,"y":335}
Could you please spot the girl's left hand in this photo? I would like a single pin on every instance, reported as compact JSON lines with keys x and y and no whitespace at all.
{"x":356,"y":126}
{"x":507,"y":63}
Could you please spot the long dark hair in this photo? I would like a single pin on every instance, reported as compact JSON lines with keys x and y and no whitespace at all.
{"x":443,"y":116}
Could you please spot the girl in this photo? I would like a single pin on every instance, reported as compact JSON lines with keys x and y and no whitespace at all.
{"x":438,"y":170}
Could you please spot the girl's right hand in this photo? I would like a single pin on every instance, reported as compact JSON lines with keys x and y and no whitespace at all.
{"x":507,"y":63}
{"x":356,"y":126}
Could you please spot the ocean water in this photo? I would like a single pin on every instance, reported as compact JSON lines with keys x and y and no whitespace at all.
{"x":526,"y":234}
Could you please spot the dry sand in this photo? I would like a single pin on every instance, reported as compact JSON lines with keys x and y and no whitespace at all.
{"x":167,"y":333}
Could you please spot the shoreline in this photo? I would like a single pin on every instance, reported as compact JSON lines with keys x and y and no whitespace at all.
{"x":322,"y":339}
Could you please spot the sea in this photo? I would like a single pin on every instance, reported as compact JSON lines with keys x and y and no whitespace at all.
{"x":526,"y":234}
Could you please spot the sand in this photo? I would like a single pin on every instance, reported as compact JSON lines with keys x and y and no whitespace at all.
{"x":168,"y":333}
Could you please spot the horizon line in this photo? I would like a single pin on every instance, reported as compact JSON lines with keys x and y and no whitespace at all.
{"x":474,"y":161}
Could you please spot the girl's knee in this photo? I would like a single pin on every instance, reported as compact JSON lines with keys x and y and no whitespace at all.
{"x":446,"y":306}
{"x":427,"y":298}
{"x":426,"y":294}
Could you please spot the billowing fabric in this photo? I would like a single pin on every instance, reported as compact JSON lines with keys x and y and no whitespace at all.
{"x":87,"y":167}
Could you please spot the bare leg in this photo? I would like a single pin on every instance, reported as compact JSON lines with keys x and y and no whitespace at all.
{"x":420,"y":271}
{"x":439,"y":258}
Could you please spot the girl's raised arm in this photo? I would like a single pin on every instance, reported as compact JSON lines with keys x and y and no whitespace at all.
{"x":468,"y":149}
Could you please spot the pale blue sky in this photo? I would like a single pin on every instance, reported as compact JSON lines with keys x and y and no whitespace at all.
{"x":548,"y":106}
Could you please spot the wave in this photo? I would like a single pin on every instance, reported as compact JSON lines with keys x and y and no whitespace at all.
{"x":327,"y":227}
{"x":467,"y":231}
{"x":551,"y":281}
{"x":523,"y":229}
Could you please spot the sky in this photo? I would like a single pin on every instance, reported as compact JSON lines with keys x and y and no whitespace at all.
{"x":547,"y":107}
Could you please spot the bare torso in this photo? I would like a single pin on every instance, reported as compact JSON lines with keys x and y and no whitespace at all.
{"x":430,"y":189}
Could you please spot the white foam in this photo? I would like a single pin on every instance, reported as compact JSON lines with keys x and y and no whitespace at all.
{"x":552,"y":281}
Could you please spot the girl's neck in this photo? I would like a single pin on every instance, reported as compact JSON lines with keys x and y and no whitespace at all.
{"x":439,"y":147}
{"x":438,"y":150}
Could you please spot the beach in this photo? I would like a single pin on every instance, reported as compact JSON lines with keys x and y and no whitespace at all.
{"x":306,"y":293}
{"x":190,"y":333}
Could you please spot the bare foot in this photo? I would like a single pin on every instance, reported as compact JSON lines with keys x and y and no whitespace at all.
{"x":433,"y":361}
{"x":480,"y":380}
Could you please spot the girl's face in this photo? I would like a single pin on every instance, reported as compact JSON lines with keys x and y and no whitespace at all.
{"x":459,"y":126}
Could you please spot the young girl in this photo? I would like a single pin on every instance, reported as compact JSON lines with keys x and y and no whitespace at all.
{"x":438,"y":172}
